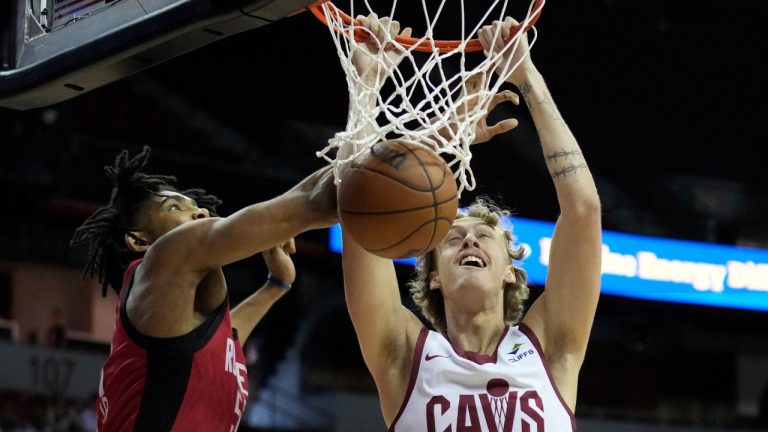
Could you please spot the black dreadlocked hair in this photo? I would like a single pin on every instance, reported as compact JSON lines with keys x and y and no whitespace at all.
{"x":104,"y":230}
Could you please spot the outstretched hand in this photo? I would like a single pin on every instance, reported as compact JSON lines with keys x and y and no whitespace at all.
{"x":279,"y":262}
{"x":483,"y":131}
{"x":377,"y":56}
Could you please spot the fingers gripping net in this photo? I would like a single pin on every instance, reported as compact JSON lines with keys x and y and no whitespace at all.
{"x":436,"y":98}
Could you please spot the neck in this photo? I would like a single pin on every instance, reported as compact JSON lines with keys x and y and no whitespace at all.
{"x":475,"y":332}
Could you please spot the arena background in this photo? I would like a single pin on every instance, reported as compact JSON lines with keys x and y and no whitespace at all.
{"x":667,"y":100}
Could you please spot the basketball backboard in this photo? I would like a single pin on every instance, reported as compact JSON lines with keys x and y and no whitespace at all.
{"x":53,"y":50}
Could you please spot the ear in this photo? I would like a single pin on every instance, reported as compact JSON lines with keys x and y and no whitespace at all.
{"x":509,"y":275}
{"x":135,"y":242}
{"x":434,"y":281}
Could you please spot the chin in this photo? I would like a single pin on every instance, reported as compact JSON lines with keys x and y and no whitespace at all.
{"x":472,"y":283}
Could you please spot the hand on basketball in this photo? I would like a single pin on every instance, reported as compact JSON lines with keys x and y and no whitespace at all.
{"x":378,"y":55}
{"x":496,"y":37}
{"x":320,"y":192}
{"x":484,"y":132}
{"x":279,"y":262}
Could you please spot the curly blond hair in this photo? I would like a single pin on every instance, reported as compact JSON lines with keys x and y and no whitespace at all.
{"x":431,"y":302}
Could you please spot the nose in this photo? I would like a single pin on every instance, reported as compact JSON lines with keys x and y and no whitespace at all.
{"x":470,"y":241}
{"x":202,"y":213}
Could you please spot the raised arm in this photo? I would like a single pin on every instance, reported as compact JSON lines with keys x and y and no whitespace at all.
{"x":180,"y":281}
{"x":282,"y":274}
{"x":386,"y":330}
{"x":210,"y":243}
{"x":562,"y":316}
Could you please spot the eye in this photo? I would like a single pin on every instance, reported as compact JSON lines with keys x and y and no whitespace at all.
{"x":174,"y":207}
{"x":453,"y":239}
{"x":485,"y":234}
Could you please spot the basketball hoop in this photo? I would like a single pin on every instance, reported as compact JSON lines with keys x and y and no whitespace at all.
{"x":470,"y":45}
{"x":434,"y":98}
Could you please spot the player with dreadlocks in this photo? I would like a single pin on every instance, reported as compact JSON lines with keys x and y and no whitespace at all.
{"x":176,"y":363}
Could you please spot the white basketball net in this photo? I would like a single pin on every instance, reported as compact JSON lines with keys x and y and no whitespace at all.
{"x":426,"y":98}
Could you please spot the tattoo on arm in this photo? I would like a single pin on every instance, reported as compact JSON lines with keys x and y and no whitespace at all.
{"x":562,"y":153}
{"x":564,"y":162}
{"x":547,"y":104}
{"x":525,"y":90}
{"x":568,"y":169}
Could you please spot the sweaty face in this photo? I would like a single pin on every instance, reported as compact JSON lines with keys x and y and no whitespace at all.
{"x":473,"y":254}
{"x":168,"y":210}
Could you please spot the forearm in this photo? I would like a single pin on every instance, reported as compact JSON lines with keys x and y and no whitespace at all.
{"x":253,"y":229}
{"x":251,"y":310}
{"x":573,"y":277}
{"x":566,"y":164}
{"x":367,"y":102}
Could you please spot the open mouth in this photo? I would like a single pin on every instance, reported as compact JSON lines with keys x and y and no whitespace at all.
{"x":473,"y":261}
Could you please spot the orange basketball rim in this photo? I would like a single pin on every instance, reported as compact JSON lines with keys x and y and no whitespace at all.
{"x":417,"y":43}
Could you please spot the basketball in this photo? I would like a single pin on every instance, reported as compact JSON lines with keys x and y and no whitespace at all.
{"x":398,"y":199}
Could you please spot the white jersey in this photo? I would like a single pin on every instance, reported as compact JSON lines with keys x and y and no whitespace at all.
{"x":451,"y":390}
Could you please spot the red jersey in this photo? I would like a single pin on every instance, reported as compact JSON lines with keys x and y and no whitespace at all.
{"x":193,"y":382}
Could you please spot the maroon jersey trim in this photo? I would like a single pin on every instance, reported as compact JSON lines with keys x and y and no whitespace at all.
{"x":415,"y":363}
{"x":480,"y":359}
{"x":532,"y":336}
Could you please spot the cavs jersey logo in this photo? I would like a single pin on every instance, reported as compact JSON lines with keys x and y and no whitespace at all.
{"x":496,"y":410}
